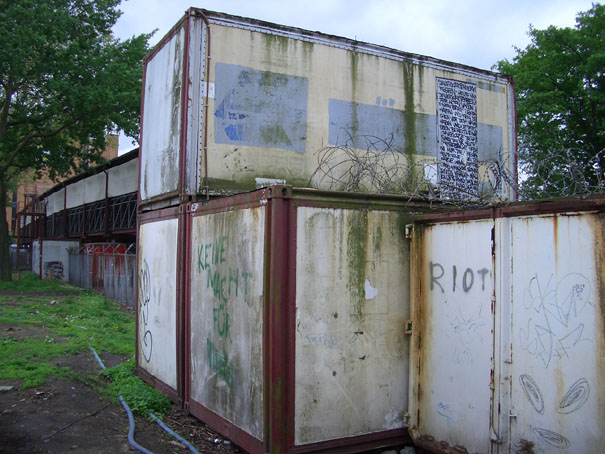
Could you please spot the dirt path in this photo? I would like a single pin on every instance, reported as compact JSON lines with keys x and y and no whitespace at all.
{"x":67,"y":415}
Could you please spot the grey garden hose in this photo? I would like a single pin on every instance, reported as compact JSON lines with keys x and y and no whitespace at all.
{"x":131,"y":440}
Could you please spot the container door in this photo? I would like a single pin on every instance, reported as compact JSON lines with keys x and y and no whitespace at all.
{"x":453,"y":344}
{"x":157,"y":319}
{"x":352,"y":303}
{"x":558,"y":364}
{"x":226,"y":312}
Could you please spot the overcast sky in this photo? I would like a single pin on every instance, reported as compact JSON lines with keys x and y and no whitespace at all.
{"x":473,"y":32}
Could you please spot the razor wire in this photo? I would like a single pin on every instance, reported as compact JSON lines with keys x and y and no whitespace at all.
{"x":372,"y":164}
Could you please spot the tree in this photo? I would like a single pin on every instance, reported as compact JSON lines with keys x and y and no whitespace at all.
{"x":65,"y":82}
{"x":561,"y":107}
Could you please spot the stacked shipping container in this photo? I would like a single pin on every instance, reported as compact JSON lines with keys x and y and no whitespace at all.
{"x":282,"y":317}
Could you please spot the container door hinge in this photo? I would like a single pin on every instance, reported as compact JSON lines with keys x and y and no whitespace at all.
{"x":409,"y":231}
{"x":406,"y":419}
{"x":408,"y":327}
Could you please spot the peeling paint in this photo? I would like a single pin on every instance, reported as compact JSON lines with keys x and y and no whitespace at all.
{"x":371,"y":292}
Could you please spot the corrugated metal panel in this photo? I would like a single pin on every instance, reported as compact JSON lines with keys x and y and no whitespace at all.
{"x":119,"y":277}
{"x":157,"y":282}
{"x":227,"y":277}
{"x":352,"y":302}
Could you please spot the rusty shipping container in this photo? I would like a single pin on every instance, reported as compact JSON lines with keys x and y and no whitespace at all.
{"x":508,"y":309}
{"x":284,"y":327}
{"x":297,"y":320}
{"x":232,"y":104}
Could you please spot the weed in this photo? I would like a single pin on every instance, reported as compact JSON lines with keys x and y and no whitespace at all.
{"x":139,"y":396}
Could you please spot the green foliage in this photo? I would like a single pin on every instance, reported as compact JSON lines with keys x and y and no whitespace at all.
{"x":139,"y":396}
{"x":71,"y":324}
{"x":66,"y":82}
{"x":560,"y":90}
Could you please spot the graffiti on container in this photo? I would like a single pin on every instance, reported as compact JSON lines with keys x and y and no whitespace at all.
{"x":552,"y":438}
{"x":457,"y":137}
{"x":446,"y":411}
{"x":554,"y":328}
{"x":224,"y":282}
{"x":457,"y":279}
{"x":532,"y":392}
{"x":326,"y":340}
{"x":575,"y":397}
{"x":145,"y":300}
{"x":219,"y":362}
{"x":468,"y":330}
{"x":221,"y":321}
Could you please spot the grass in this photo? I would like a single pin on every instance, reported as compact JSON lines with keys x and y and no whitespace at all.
{"x":139,"y":396}
{"x":69,"y":326}
{"x":29,"y":282}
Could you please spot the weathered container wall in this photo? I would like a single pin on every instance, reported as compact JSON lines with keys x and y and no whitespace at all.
{"x":226,"y":313}
{"x":558,"y":367}
{"x":157,"y":300}
{"x":352,"y":302}
{"x":281,"y":97}
{"x":161,"y":119}
{"x":264,"y":101}
{"x":296,"y":303}
{"x":508,"y":341}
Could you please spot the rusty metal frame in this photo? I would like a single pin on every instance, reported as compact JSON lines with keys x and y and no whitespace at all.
{"x":550,"y":206}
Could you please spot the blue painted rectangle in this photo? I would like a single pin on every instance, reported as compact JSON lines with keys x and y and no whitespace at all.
{"x":353,"y":124}
{"x":260,"y":108}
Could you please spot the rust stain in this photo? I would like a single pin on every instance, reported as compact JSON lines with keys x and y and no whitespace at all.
{"x":555,"y":227}
{"x":599,"y":233}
